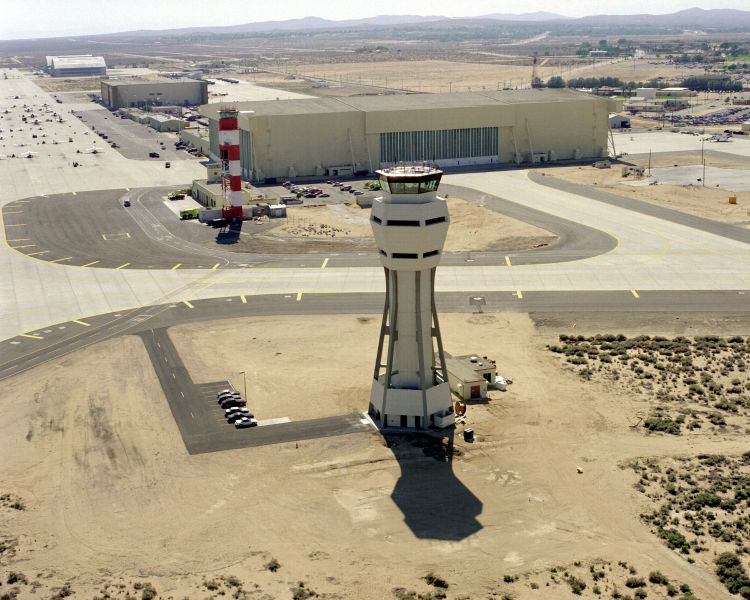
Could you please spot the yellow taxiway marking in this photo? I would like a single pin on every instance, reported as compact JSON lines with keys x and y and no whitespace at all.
{"x":26,"y":246}
{"x":127,"y":189}
{"x":177,"y":266}
{"x":81,"y":323}
{"x":507,"y":261}
{"x":519,"y":294}
{"x":35,"y":253}
{"x":61,"y":259}
{"x":325,"y":262}
{"x":74,"y":193}
{"x":15,"y":224}
{"x":244,"y":300}
{"x":122,"y":266}
{"x":44,"y":195}
{"x":91,"y":263}
{"x":215,"y":266}
{"x":188,"y":304}
{"x":299,"y":296}
{"x":634,"y":293}
{"x":182,"y":394}
{"x":12,"y":212}
{"x":33,"y":337}
{"x":192,"y":415}
{"x":20,"y":240}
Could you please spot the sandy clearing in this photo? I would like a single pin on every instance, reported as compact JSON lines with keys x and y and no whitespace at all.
{"x":473,"y":228}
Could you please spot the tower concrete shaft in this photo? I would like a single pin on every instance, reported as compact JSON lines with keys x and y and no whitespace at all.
{"x":410,"y":222}
{"x":231,"y":169}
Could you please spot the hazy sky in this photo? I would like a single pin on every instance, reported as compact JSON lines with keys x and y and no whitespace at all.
{"x":48,"y":18}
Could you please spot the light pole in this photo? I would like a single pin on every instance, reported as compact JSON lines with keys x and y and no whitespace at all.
{"x":244,"y":381}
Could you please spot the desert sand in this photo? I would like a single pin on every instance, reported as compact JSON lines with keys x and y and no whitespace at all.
{"x":110,"y":495}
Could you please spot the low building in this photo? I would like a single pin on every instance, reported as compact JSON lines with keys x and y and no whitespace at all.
{"x":677,"y":92}
{"x":618,"y":121}
{"x":469,"y":375}
{"x":197,"y":138}
{"x":170,"y":92}
{"x":211,"y":195}
{"x":76,"y":65}
{"x":162,"y":122}
{"x":598,"y":53}
{"x":746,"y":126}
{"x":646,"y":93}
{"x":742,"y":98}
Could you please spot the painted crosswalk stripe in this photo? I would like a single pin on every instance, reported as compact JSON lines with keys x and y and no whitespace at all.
{"x":91,"y":263}
{"x":12,"y":212}
{"x":177,"y":266}
{"x":122,"y":266}
{"x":519,"y":294}
{"x":33,"y":337}
{"x":19,"y":240}
{"x":634,"y":293}
{"x":325,"y":262}
{"x":74,"y":193}
{"x":507,"y":261}
{"x":24,"y":246}
{"x":244,"y":300}
{"x":81,"y":323}
{"x":61,"y":259}
{"x":188,"y":304}
{"x":15,"y":224}
{"x":299,"y":296}
{"x":215,"y":266}
{"x":35,"y":253}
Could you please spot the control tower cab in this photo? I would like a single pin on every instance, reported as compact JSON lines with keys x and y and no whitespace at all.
{"x":410,"y":221}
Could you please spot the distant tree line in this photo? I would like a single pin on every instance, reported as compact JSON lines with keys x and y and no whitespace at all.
{"x":699,"y":84}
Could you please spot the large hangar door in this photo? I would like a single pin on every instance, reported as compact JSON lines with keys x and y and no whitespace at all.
{"x":446,"y":147}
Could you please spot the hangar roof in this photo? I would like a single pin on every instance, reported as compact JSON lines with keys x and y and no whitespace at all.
{"x":121,"y":82}
{"x":400,"y":102}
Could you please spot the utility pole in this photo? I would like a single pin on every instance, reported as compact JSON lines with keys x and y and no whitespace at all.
{"x":244,"y":380}
{"x":703,"y":162}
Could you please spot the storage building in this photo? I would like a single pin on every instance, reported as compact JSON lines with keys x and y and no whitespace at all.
{"x":170,"y":92}
{"x":469,"y":375}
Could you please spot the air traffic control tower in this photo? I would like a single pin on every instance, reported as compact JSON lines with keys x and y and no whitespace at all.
{"x":410,"y":221}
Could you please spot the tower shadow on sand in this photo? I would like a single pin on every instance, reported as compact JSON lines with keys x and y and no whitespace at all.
{"x":435,"y":504}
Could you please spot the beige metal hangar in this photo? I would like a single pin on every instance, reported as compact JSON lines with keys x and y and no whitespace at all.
{"x":317,"y":137}
{"x":170,"y":92}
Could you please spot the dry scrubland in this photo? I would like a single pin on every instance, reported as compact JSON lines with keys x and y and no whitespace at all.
{"x":101,"y":499}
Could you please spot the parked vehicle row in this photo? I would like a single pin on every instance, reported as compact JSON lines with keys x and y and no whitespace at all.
{"x":235,"y":409}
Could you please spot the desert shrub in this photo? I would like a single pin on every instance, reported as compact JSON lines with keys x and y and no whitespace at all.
{"x":273,"y":565}
{"x":640,"y":593}
{"x":510,"y":578}
{"x":302,"y":592}
{"x":717,"y":419}
{"x":576,"y":585}
{"x":435,"y":580}
{"x":658,"y":577}
{"x":62,"y":592}
{"x":732,"y":574}
{"x":211,"y":584}
{"x":148,"y":592}
{"x":634,"y":582}
{"x":664,"y":424}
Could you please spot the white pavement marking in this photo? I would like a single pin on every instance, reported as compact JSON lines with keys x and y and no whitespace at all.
{"x":274,"y":421}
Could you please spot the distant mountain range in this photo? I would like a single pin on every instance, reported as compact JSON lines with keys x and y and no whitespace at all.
{"x":692,"y":18}
{"x":695,"y":18}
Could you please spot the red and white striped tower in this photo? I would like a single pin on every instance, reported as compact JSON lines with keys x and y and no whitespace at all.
{"x":231,"y":169}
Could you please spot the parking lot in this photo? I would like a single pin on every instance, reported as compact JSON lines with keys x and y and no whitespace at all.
{"x":134,"y":140}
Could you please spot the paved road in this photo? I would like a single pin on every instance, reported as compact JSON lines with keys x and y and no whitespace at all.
{"x":25,"y":351}
{"x":95,"y":230}
{"x":727,"y":230}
